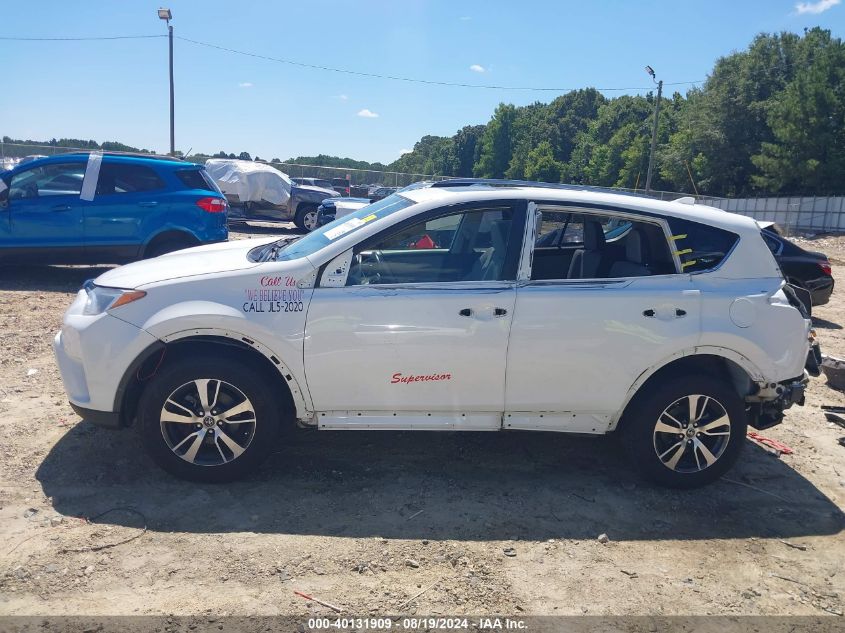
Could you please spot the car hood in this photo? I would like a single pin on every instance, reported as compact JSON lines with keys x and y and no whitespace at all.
{"x":200,"y":260}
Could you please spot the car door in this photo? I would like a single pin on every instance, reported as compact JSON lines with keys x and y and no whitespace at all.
{"x":44,"y":212}
{"x":128,"y":199}
{"x":577,"y":345}
{"x":417,"y":334}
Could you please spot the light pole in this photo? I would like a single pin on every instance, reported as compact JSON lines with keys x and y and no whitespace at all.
{"x":165,"y":15}
{"x":650,"y":71}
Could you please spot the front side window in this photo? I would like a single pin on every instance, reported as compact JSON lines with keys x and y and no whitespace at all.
{"x":57,"y":179}
{"x":126,"y":178}
{"x":465,"y":246}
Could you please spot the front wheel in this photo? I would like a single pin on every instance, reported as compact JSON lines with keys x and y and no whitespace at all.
{"x":686,"y":431}
{"x":207,"y":420}
{"x":306,"y":217}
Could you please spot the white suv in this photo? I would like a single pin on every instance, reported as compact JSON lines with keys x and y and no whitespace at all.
{"x":461,"y":305}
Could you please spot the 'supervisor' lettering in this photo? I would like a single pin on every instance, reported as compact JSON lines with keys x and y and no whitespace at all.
{"x":399,"y":378}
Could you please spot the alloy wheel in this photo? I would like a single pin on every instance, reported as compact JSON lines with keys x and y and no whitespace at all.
{"x":208,"y":422}
{"x":692,"y":433}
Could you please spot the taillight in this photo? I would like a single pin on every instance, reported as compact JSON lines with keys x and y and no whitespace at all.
{"x":347,"y":191}
{"x":825,"y":266}
{"x":212,"y":205}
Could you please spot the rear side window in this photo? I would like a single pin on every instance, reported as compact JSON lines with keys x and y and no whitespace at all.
{"x":698,"y":246}
{"x":195,"y":179}
{"x":126,"y":178}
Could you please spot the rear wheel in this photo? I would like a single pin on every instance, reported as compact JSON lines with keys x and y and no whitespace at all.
{"x":209,"y":420}
{"x":685,"y":432}
{"x":306,"y":217}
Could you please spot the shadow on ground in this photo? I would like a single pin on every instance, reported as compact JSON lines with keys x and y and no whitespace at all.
{"x":47,"y":278}
{"x":472,"y":486}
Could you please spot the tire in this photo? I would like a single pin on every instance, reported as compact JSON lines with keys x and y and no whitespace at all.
{"x":306,"y":217}
{"x":664,"y":456}
{"x":209,"y":448}
{"x":165,"y":246}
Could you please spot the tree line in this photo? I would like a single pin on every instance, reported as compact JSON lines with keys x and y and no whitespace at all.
{"x":769,"y":119}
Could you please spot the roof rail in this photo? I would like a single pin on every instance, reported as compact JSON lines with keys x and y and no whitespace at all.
{"x":496,"y":182}
{"x":132,"y":154}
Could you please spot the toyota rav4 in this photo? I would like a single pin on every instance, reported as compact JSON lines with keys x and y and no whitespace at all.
{"x":464,"y":305}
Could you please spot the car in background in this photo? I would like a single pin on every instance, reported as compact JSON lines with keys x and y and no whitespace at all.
{"x":335,"y":208}
{"x":341,"y":185}
{"x":809,"y":271}
{"x":381,"y":193}
{"x":323,"y":183}
{"x":106,"y":207}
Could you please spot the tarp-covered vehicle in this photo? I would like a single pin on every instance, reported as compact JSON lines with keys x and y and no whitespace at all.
{"x":258,"y":191}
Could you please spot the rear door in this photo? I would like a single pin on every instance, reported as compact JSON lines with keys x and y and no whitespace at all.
{"x":44,"y":210}
{"x":128,"y":196}
{"x":577,"y":345}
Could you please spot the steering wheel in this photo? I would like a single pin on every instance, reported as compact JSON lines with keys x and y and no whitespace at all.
{"x":366,"y":268}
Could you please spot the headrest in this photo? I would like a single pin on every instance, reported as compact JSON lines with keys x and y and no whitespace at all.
{"x":593,"y":235}
{"x":634,"y":247}
{"x":498,"y":233}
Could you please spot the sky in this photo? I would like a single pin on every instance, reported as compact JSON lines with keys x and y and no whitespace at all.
{"x":118,"y":89}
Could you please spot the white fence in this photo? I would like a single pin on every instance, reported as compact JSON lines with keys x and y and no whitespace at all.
{"x":792,"y":213}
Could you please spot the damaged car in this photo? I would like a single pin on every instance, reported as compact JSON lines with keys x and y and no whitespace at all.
{"x":462,"y":305}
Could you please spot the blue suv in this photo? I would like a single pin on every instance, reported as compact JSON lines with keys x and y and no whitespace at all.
{"x":106,"y":208}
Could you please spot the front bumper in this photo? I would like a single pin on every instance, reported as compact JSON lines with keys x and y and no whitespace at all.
{"x":93,"y":353}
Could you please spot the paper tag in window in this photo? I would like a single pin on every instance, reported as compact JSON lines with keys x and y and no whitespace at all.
{"x":344,"y":228}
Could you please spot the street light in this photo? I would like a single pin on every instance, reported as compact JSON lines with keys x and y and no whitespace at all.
{"x":651,"y":72}
{"x":166,"y":15}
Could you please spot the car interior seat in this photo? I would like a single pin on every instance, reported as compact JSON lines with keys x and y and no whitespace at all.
{"x":586,"y":261}
{"x":488,"y":267}
{"x":636,"y":259}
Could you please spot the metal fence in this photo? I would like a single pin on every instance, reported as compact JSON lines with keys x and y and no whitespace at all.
{"x":793,"y":213}
{"x":815,"y":214}
{"x":11,"y":153}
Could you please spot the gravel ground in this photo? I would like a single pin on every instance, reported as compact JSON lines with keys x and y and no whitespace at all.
{"x":474,"y":523}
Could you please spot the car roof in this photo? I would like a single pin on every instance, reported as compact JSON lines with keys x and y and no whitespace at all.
{"x":685,"y":210}
{"x":129,"y":157}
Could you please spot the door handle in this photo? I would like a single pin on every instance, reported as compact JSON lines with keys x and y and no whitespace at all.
{"x":499,"y":312}
{"x":61,"y":207}
{"x":648,"y":313}
{"x":467,"y":312}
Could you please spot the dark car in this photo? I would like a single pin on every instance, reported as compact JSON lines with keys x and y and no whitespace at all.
{"x":341,"y":185}
{"x":381,"y":193}
{"x":807,"y":270}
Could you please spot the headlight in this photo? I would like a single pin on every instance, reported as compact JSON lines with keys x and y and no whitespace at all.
{"x":101,"y":298}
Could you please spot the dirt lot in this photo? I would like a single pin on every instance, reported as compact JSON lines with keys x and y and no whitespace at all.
{"x":484,"y":523}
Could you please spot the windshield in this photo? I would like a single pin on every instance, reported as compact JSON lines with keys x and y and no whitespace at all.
{"x":333,"y":231}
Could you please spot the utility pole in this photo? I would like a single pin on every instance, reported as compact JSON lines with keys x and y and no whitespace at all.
{"x":650,"y":71}
{"x":166,"y":15}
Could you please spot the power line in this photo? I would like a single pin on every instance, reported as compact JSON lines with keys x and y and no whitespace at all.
{"x":345,"y":71}
{"x":79,"y":39}
{"x":399,"y":78}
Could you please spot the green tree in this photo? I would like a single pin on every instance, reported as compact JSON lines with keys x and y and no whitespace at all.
{"x":496,"y":143}
{"x":541,"y":165}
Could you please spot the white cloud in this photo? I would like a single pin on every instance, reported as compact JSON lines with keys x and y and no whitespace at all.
{"x":367,"y":114}
{"x":405,"y":151}
{"x":341,"y":97}
{"x":245,"y":84}
{"x":815,"y":7}
{"x":477,"y":68}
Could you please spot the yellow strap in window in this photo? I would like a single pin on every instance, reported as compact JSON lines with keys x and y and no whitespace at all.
{"x":686,"y":251}
{"x":677,"y":237}
{"x":689,"y":263}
